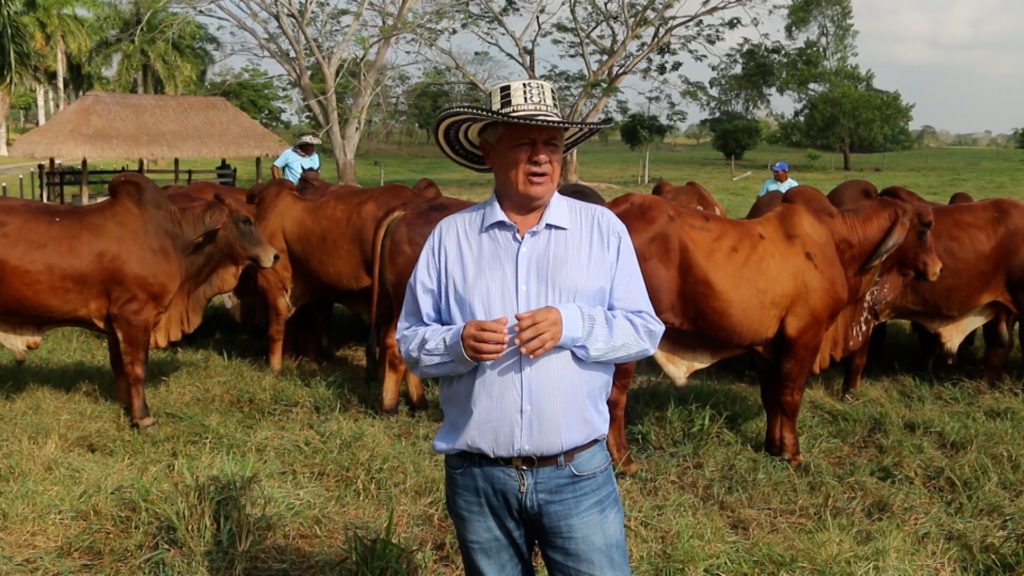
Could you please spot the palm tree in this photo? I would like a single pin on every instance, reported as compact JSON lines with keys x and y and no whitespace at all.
{"x":15,"y":60}
{"x":156,"y":49}
{"x":59,"y":29}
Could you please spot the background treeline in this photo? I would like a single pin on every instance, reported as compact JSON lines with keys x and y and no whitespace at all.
{"x":380,"y":70}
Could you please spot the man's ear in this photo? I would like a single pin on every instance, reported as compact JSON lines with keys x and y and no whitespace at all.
{"x":485,"y":150}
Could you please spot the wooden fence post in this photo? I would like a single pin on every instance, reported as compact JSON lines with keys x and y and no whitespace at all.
{"x":42,"y":182}
{"x":83,"y":185}
{"x":259,"y":169}
{"x":177,"y":168}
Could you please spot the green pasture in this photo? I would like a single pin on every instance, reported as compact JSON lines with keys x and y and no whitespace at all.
{"x":935,"y":173}
{"x":250,"y":472}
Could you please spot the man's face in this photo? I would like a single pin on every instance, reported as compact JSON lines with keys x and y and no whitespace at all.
{"x":526,"y":160}
{"x":780,"y":175}
{"x":306,"y":149}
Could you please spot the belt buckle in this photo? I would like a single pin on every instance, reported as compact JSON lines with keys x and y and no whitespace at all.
{"x":524,"y":462}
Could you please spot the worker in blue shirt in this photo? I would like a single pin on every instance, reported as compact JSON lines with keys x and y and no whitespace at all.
{"x":521,"y":306}
{"x":780,"y":180}
{"x":297,"y":159}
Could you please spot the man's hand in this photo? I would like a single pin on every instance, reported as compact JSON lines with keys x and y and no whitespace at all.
{"x":484,"y":340}
{"x":538,"y":331}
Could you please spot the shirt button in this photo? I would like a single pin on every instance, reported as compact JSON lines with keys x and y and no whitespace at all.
{"x":523,"y":287}
{"x":527,"y":369}
{"x":527,"y":448}
{"x":528,"y":409}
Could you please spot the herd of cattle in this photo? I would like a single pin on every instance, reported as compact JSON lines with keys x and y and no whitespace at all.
{"x":802,"y":280}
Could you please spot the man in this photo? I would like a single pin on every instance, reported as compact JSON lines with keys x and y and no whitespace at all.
{"x":521,"y":305}
{"x":297,"y":159}
{"x":780,"y":180}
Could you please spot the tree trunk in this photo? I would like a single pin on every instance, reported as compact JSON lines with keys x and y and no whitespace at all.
{"x":40,"y":104}
{"x":570,"y":168}
{"x":49,"y":101}
{"x":847,"y":164}
{"x":647,"y":165}
{"x":5,"y":109}
{"x":61,"y":65}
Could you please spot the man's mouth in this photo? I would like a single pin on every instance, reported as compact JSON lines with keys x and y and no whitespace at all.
{"x":537,"y":176}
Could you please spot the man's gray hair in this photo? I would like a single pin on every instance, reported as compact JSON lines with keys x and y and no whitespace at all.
{"x":491,"y":132}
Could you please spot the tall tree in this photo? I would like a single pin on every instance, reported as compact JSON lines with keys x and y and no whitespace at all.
{"x":849,"y":118}
{"x":156,"y":48}
{"x":345,"y":44}
{"x":60,"y":29}
{"x":16,"y":60}
{"x":253,"y":91}
{"x":590,"y":48}
{"x":641,"y":130}
{"x":733,"y":134}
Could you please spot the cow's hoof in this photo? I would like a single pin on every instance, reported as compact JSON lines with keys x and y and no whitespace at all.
{"x":794,"y":459}
{"x":145,"y":423}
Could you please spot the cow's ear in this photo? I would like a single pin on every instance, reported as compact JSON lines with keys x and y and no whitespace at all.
{"x":897,"y":233}
{"x":214,"y":217}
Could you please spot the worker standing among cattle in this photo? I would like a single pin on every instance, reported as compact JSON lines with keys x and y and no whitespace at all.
{"x":780,"y":180}
{"x":297,"y":159}
{"x":521,"y":305}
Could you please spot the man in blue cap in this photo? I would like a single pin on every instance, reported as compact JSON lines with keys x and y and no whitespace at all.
{"x":780,"y":180}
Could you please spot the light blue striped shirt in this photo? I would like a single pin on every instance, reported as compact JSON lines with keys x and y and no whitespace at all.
{"x":580,"y":259}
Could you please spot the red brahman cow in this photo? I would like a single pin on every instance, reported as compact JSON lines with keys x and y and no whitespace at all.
{"x":133,"y":267}
{"x":400,"y":238}
{"x":326,"y":245}
{"x":689,"y":195}
{"x":852,"y":192}
{"x":773,"y":285}
{"x":983,"y":282}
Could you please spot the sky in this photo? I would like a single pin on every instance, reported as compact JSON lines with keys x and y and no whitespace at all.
{"x":961,"y":62}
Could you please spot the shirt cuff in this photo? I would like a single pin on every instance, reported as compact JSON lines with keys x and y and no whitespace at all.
{"x":572,"y":325}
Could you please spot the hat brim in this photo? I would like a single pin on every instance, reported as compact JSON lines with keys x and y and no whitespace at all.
{"x":458,"y":132}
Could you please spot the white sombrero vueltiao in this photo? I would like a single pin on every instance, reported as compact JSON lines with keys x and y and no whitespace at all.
{"x":523,"y":102}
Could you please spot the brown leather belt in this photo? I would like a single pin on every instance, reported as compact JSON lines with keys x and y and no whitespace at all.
{"x":528,"y":462}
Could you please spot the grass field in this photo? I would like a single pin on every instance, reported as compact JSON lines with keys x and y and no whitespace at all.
{"x":249,"y":472}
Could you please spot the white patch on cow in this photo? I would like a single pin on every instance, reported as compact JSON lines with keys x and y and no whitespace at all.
{"x":20,"y":339}
{"x":679,"y":362}
{"x":879,"y":294}
{"x":952,"y":333}
{"x":233,"y":304}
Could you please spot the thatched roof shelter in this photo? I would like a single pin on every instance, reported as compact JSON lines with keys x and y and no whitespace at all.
{"x":109,"y":125}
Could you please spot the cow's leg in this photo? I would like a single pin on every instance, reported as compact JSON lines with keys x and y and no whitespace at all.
{"x":853,"y":369}
{"x":618,"y":446}
{"x":414,"y":385}
{"x":133,"y":341}
{"x":769,"y":379}
{"x":796,"y":371}
{"x":121,"y":387}
{"x":390,"y":370}
{"x":998,"y":345}
{"x":274,"y":287}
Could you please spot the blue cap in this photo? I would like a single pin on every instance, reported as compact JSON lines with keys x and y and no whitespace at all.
{"x":780,"y":166}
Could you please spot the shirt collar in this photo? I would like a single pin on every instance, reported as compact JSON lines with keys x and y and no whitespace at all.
{"x":555,"y":214}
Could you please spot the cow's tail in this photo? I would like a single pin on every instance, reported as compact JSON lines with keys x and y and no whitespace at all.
{"x":378,"y":254}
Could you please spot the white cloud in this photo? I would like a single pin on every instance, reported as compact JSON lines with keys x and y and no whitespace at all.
{"x":958,"y":60}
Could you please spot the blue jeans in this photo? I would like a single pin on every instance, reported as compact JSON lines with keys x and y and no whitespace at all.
{"x":572,"y":512}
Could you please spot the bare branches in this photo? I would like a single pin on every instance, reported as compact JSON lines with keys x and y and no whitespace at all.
{"x":333,"y":51}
